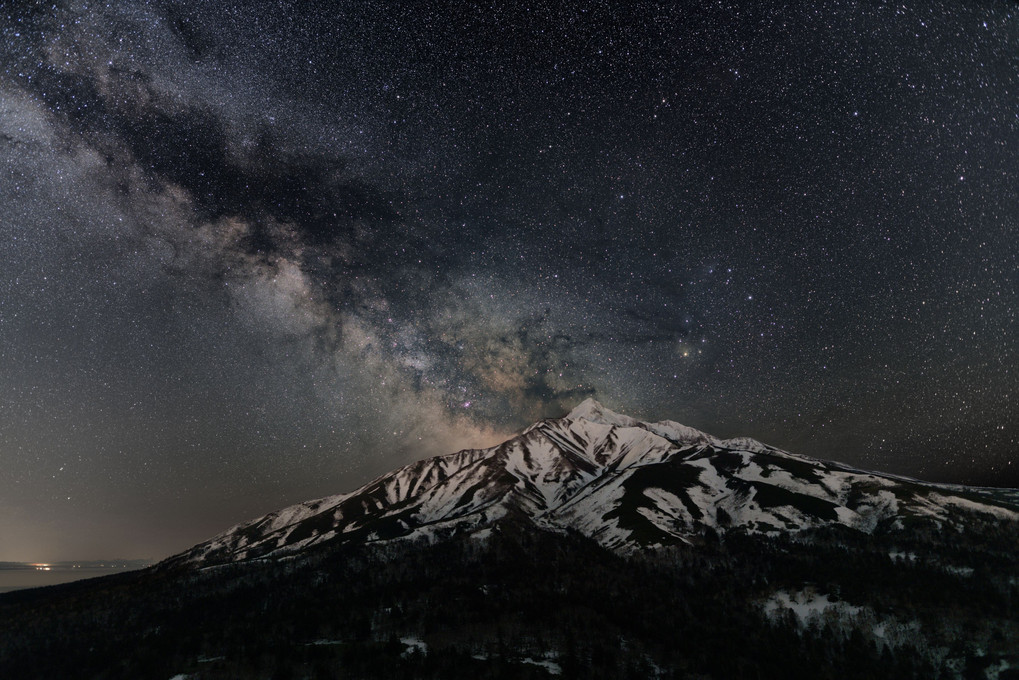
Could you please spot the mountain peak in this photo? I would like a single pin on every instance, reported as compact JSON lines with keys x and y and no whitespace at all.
{"x":626,"y":483}
{"x":591,"y":410}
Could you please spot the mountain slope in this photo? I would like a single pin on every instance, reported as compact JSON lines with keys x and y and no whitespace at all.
{"x":623,"y":482}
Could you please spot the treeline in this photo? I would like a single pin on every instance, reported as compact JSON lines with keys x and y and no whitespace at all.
{"x":497,"y":608}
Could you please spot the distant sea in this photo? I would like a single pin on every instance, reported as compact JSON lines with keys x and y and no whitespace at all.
{"x":20,"y":575}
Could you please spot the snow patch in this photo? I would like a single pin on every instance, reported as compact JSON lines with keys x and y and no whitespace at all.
{"x":414,"y":645}
{"x":994,"y":671}
{"x":959,"y":571}
{"x":551,"y":666}
{"x":482,"y":534}
{"x":805,"y":604}
{"x":896,"y":555}
{"x":972,"y":506}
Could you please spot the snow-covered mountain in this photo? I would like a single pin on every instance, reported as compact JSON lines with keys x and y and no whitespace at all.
{"x":627,"y":484}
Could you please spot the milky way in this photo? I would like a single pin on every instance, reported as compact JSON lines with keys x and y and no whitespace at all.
{"x":254,"y":253}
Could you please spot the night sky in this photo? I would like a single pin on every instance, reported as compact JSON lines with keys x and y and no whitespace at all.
{"x":254,"y":253}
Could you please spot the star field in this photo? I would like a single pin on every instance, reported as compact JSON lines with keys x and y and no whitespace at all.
{"x":254,"y":253}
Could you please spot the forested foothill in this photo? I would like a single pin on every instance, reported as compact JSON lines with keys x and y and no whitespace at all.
{"x":519,"y":603}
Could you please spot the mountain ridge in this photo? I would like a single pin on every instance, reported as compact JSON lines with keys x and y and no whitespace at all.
{"x":626,"y":483}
